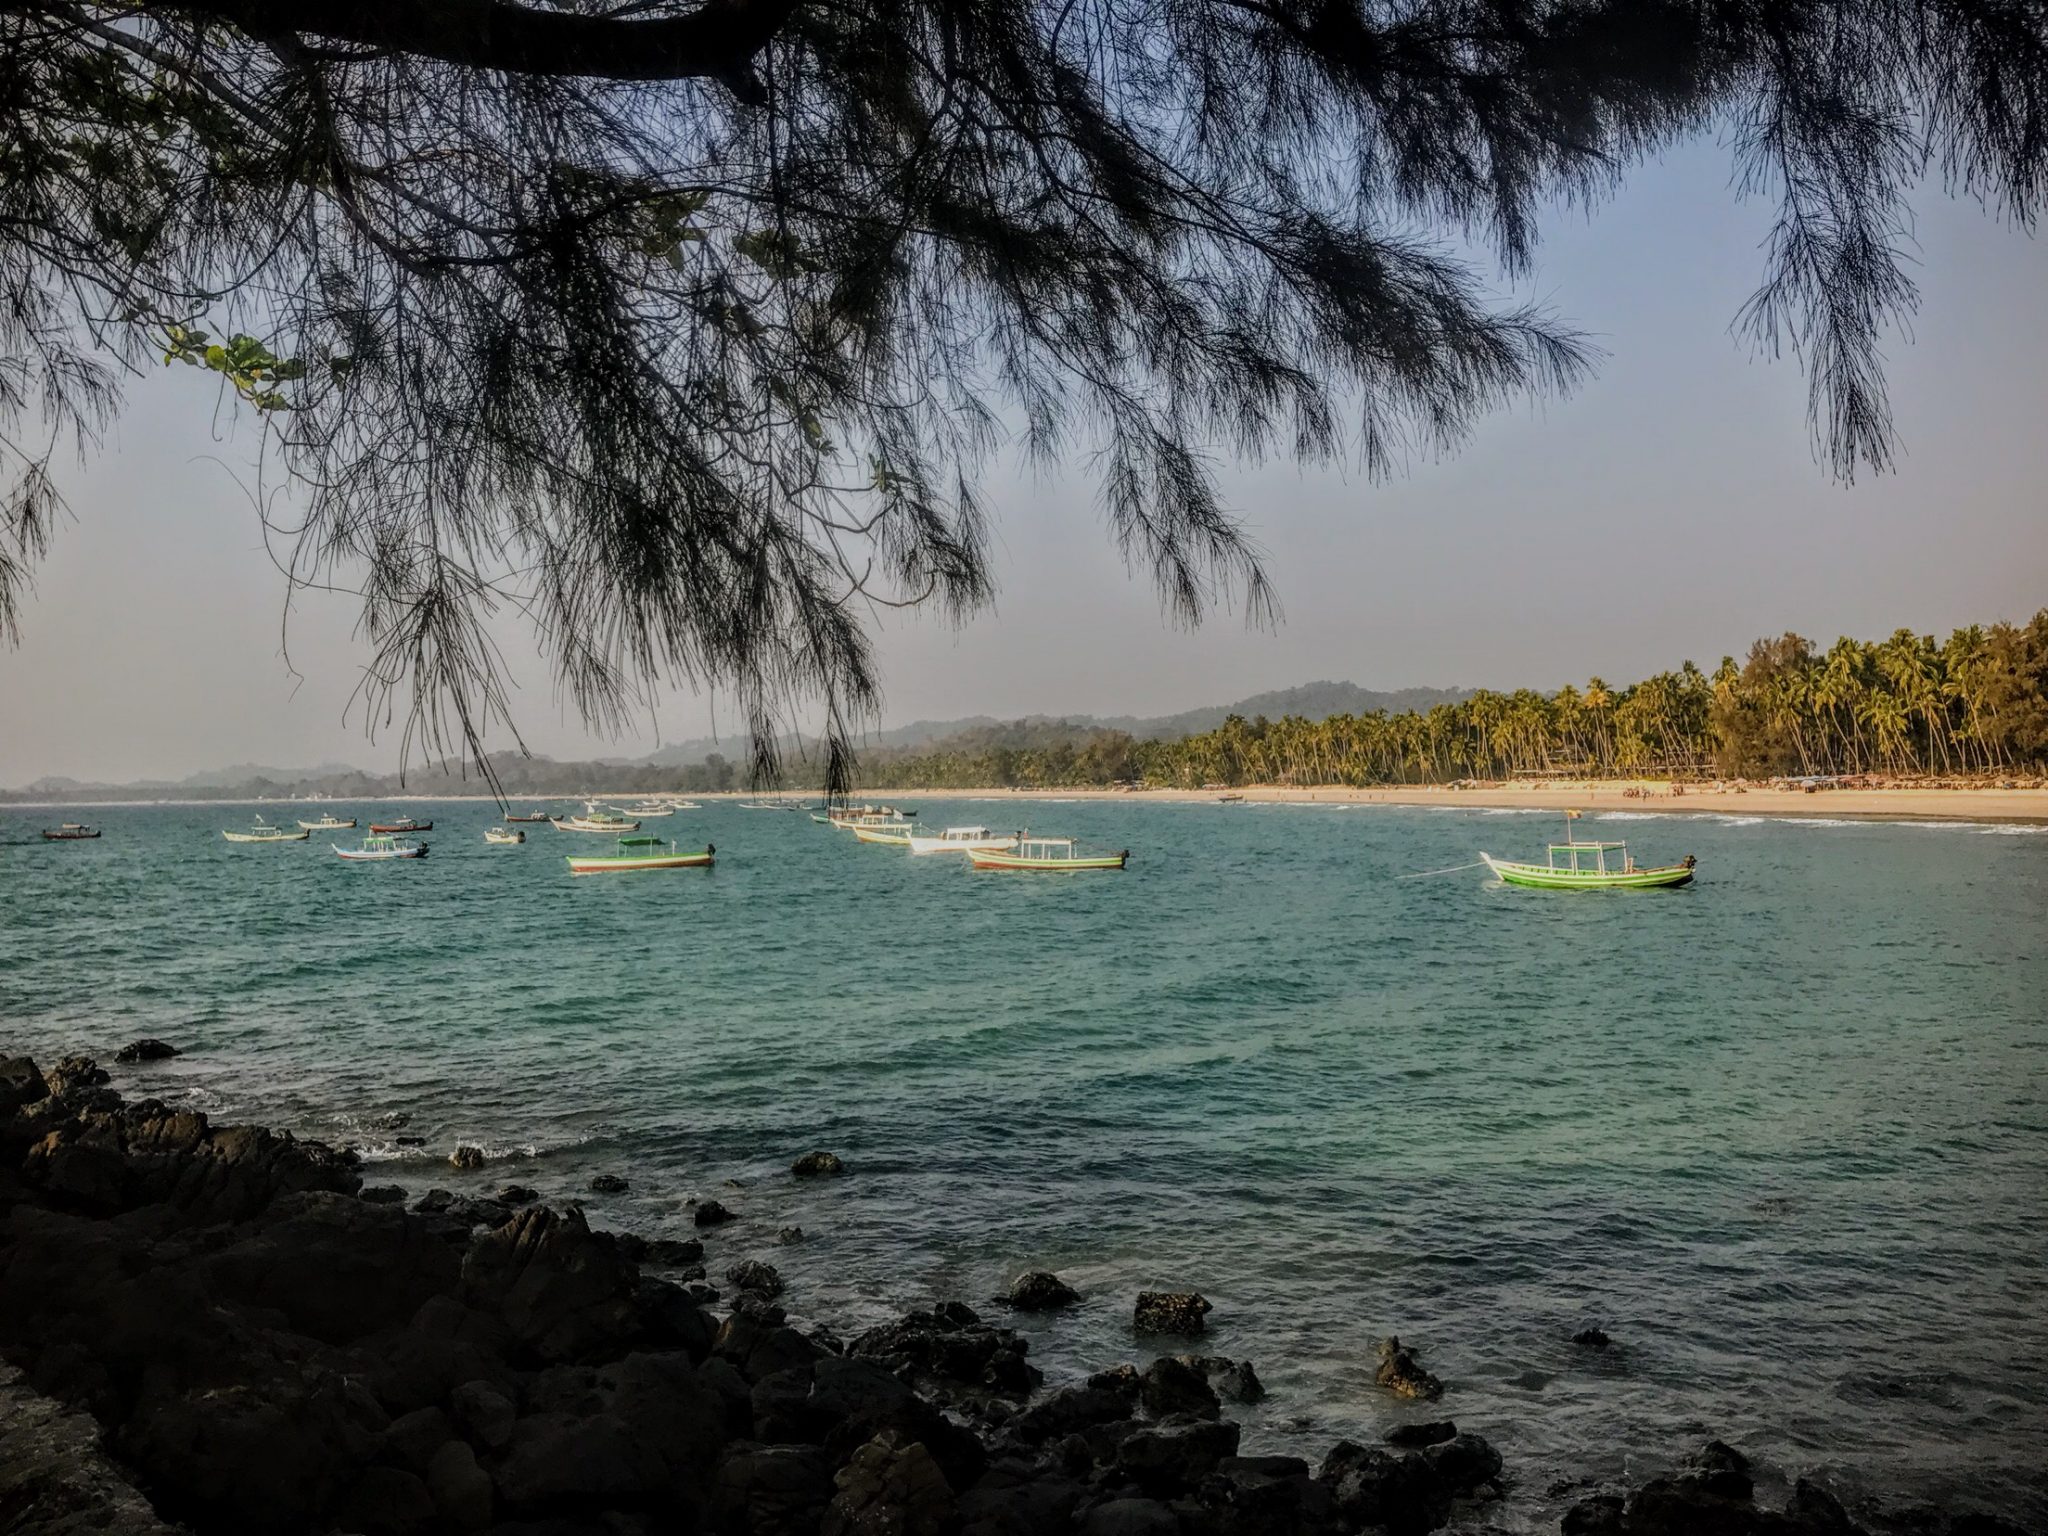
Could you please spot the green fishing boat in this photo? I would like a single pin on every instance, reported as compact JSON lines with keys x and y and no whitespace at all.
{"x":637,"y":853}
{"x":1587,"y":866}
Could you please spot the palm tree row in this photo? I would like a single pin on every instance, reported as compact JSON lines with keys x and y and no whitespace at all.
{"x":1974,"y":704}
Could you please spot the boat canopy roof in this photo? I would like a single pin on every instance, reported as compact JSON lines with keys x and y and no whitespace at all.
{"x":1590,"y":847}
{"x":640,"y":842}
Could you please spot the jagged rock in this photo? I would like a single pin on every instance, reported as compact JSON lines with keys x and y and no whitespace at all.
{"x":484,"y":1413}
{"x":771,"y":1490}
{"x":564,"y":1294}
{"x":789,"y":1234}
{"x":641,"y":1429}
{"x":1370,"y":1486}
{"x":1069,"y":1410}
{"x":145,"y":1050}
{"x":1464,"y":1462}
{"x":1173,"y":1457}
{"x":1600,"y":1515}
{"x":460,"y":1489}
{"x":756,"y":1278}
{"x":1233,"y":1380}
{"x":383,"y":1194}
{"x":1400,"y":1373}
{"x":1040,"y":1290}
{"x":1412,"y":1436}
{"x":608,"y":1184}
{"x":1815,"y":1509}
{"x":1130,"y":1517}
{"x":1591,"y":1338}
{"x":815,"y":1165}
{"x":950,"y":1343}
{"x":891,"y":1487}
{"x":1723,"y":1471}
{"x":710,"y":1213}
{"x":516,"y":1194}
{"x":1170,"y":1312}
{"x":434,"y":1201}
{"x":54,"y":1478}
{"x":21,"y":1082}
{"x":467,"y":1158}
{"x":1268,"y":1496}
{"x":1174,"y":1384}
{"x":74,"y":1075}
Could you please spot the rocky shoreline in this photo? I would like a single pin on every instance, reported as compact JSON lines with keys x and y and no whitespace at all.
{"x":265,"y":1344}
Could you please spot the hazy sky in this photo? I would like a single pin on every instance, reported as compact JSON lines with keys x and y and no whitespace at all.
{"x":1671,"y":509}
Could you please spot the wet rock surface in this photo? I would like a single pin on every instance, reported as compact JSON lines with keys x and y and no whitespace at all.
{"x":1402,"y":1374}
{"x":1040,"y":1291}
{"x":145,"y":1050}
{"x":1178,"y":1312}
{"x":224,"y":1318}
{"x":818,"y":1165}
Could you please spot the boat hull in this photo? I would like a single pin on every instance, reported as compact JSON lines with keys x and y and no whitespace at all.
{"x":962,"y":844}
{"x":996,"y":859}
{"x":402,"y":826}
{"x":357,"y":856}
{"x":615,"y":864}
{"x":71,"y":837}
{"x":1542,"y":877}
{"x":266,"y":837}
{"x":328,"y":826}
{"x":883,"y":836}
{"x":505,"y":839}
{"x":578,"y":824}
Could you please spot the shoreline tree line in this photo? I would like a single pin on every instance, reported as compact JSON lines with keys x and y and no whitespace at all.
{"x":1975,"y":704}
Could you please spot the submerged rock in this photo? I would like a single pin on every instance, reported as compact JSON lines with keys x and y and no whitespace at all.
{"x":1591,"y":1338}
{"x":467,"y":1158}
{"x":384,"y":1194}
{"x":710,"y":1213}
{"x":1413,"y":1436}
{"x":145,"y":1050}
{"x":1402,"y":1374}
{"x":1040,"y":1290}
{"x":817,"y":1165}
{"x":608,"y":1184}
{"x":1170,"y":1312}
{"x":950,"y":1344}
{"x":1175,"y":1384}
{"x":753,"y":1276}
{"x":516,"y":1194}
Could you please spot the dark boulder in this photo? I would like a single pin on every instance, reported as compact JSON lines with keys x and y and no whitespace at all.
{"x":1174,"y":1456}
{"x":951,"y":1345}
{"x":1402,"y":1374}
{"x":21,"y":1082}
{"x":75,"y":1076}
{"x":608,"y":1184}
{"x":789,"y":1234}
{"x":383,"y":1194}
{"x":1070,"y":1410}
{"x":388,"y":1501}
{"x":710,"y":1213}
{"x":562,"y":1292}
{"x":1233,"y":1380}
{"x":467,"y":1158}
{"x":1178,"y":1312}
{"x":1464,"y":1462}
{"x":459,"y":1488}
{"x":1414,"y":1436}
{"x":891,"y":1486}
{"x":516,"y":1194}
{"x":1040,"y":1290}
{"x":770,"y":1490}
{"x":674,"y":1252}
{"x":145,"y":1050}
{"x":1174,"y":1384}
{"x":756,"y":1278}
{"x":1017,"y":1497}
{"x":483,"y":1413}
{"x":1130,"y":1517}
{"x":1591,"y":1338}
{"x":1268,"y":1496}
{"x":1600,"y":1515}
{"x":818,"y":1165}
{"x":1370,"y":1486}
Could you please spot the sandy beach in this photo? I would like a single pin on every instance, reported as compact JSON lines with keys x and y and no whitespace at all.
{"x":1988,"y":805}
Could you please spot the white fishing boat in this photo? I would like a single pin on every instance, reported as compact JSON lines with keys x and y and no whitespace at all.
{"x":890,"y":834}
{"x":962,"y":840}
{"x":650,"y":808}
{"x":596,"y":818}
{"x":264,"y":832}
{"x":329,"y":824}
{"x":504,"y":835}
{"x":379,"y":847}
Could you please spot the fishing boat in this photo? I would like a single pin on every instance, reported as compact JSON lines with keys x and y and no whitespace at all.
{"x":504,"y":835}
{"x":329,"y":824}
{"x":70,"y":832}
{"x":407,"y":824}
{"x":650,"y":808}
{"x":893,"y":834}
{"x":530,"y":816}
{"x":1058,"y":855}
{"x":596,"y":818}
{"x":847,"y":817}
{"x":1573,"y":865}
{"x":264,"y":832}
{"x":379,"y":847}
{"x":637,"y":853}
{"x":963,"y":840}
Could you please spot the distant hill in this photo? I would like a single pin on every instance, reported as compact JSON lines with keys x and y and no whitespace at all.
{"x":707,"y":764}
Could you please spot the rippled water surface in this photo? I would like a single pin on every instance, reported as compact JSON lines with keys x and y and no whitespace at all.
{"x":1782,"y":1135}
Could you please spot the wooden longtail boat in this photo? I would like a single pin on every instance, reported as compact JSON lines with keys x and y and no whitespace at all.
{"x":640,"y":853}
{"x":503,"y":835}
{"x":963,"y":840}
{"x":891,"y":834}
{"x":596,"y":818}
{"x":1588,"y":866}
{"x":70,"y":832}
{"x":329,"y":824}
{"x":264,"y":832}
{"x":378,"y":848}
{"x":532,"y":816}
{"x":407,"y":825}
{"x":1058,"y":855}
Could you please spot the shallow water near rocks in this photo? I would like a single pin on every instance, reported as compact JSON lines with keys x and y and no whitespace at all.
{"x":1781,"y":1135}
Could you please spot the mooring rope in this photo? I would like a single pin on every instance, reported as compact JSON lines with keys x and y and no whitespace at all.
{"x":1452,"y":870}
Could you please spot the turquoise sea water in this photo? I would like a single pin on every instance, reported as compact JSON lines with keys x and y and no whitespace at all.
{"x":1782,"y":1135}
